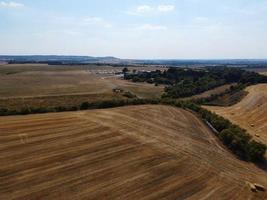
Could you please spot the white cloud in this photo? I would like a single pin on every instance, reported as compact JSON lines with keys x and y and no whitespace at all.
{"x":146,"y":9}
{"x":140,"y":10}
{"x":93,"y":20}
{"x":143,"y":9}
{"x":96,"y":21}
{"x":11,"y":4}
{"x":151,"y":27}
{"x":248,"y":11}
{"x":166,"y":8}
{"x":201,"y":19}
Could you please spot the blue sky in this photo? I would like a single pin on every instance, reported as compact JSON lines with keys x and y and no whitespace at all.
{"x":180,"y":29}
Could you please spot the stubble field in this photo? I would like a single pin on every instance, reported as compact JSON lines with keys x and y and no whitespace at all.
{"x":38,"y":85}
{"x":250,"y":113}
{"x":136,"y":152}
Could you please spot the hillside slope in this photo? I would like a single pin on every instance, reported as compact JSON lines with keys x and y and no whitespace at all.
{"x":250,"y":113}
{"x":137,"y":152}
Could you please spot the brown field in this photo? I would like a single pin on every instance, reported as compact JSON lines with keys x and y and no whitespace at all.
{"x":55,"y":101}
{"x":217,"y":90}
{"x":31,"y":80}
{"x":138,"y":152}
{"x":35,"y":84}
{"x":258,"y":70}
{"x":250,"y":113}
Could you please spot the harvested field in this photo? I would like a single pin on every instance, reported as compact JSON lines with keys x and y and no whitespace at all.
{"x":42,"y":80}
{"x":217,"y":90}
{"x":143,"y":90}
{"x":32,"y":85}
{"x":262,"y":70}
{"x":250,"y":113}
{"x":55,"y":101}
{"x":48,"y":83}
{"x":229,"y":99}
{"x":137,"y":152}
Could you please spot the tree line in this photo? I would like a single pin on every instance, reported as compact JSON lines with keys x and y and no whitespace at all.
{"x":234,"y":137}
{"x":234,"y":90}
{"x":83,"y":106}
{"x":186,"y":82}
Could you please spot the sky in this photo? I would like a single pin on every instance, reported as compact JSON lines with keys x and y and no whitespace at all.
{"x":147,"y":29}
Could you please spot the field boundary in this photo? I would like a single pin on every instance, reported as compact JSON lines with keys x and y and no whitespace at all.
{"x":233,"y":137}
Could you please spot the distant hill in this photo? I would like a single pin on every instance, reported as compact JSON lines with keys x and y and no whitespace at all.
{"x":55,"y":59}
{"x":59,"y":59}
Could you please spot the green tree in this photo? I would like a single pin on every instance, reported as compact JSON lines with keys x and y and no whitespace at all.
{"x":256,"y":151}
{"x":125,"y":70}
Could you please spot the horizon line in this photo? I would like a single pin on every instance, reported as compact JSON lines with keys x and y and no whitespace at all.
{"x":115,"y":57}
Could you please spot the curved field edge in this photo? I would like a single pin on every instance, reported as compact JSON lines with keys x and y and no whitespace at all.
{"x":47,"y":104}
{"x":250,"y":113}
{"x":135,"y":152}
{"x":216,"y":91}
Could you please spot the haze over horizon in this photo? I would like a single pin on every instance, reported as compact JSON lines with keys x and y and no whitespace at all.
{"x":160,"y":29}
